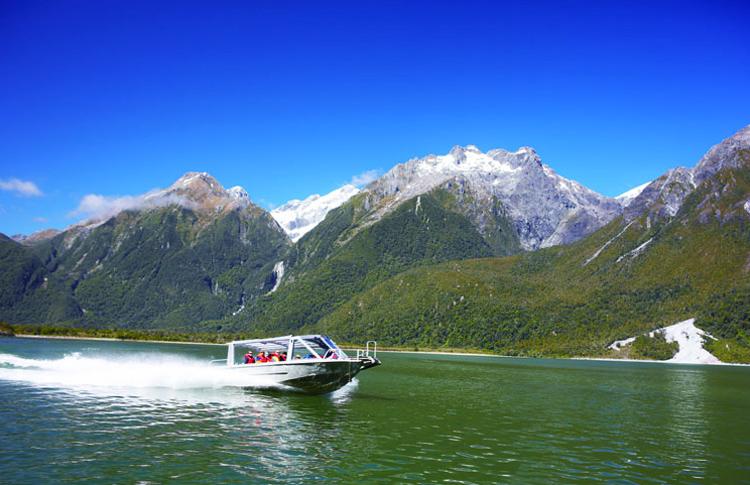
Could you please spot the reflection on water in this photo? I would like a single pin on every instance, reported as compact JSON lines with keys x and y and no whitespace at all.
{"x":689,"y":422}
{"x":129,"y":413}
{"x":149,"y":431}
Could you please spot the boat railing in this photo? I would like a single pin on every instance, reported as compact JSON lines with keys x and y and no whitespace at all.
{"x":366,"y":351}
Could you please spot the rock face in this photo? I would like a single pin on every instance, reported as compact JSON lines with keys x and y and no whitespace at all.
{"x":730,"y":153}
{"x":199,"y":191}
{"x":665,"y":196}
{"x":36,"y":237}
{"x":545,"y":208}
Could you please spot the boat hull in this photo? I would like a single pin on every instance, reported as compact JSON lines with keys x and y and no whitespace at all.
{"x":309,"y":376}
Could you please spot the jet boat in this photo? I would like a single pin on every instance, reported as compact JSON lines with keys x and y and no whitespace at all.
{"x":314,"y":363}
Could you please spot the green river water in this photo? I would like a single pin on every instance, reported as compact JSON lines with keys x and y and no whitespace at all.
{"x":126,"y":412}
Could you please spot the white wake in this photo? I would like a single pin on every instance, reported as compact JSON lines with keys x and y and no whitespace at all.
{"x":138,"y":371}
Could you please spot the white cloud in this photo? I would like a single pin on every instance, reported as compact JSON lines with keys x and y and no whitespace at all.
{"x":267,"y":204}
{"x":23,"y":188}
{"x":40,"y":219}
{"x":99,"y":207}
{"x":365,"y":178}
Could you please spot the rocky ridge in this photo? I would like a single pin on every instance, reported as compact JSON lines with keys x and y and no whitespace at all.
{"x":546,"y":208}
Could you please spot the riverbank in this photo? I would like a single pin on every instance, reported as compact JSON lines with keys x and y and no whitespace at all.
{"x":345,"y":347}
{"x":112,"y":339}
{"x":392,"y":350}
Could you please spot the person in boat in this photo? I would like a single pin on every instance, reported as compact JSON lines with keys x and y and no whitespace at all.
{"x":249,"y":359}
{"x":261,"y":357}
{"x":283,"y":356}
{"x":275,"y":357}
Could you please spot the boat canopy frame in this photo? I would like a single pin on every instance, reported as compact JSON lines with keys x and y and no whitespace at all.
{"x":286,"y":344}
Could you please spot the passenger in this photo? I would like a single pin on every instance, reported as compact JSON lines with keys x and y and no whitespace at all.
{"x":283,"y":356}
{"x":262,"y":357}
{"x":275,"y":357}
{"x":249,"y":359}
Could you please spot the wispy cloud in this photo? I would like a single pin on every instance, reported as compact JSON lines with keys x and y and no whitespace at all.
{"x":100,"y":207}
{"x":267,"y":204}
{"x":40,"y":220}
{"x":23,"y":188}
{"x":365,"y":178}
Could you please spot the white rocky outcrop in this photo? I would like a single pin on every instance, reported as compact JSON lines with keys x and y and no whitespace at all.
{"x":689,"y":338}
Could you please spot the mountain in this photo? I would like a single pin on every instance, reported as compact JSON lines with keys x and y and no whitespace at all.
{"x":663,"y":197}
{"x":545,"y":208}
{"x":461,"y":205}
{"x":36,"y":237}
{"x":298,"y":217}
{"x":685,"y":255}
{"x":193,"y":252}
{"x":469,"y":249}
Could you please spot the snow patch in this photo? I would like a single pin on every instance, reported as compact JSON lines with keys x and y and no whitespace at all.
{"x":627,"y":197}
{"x":418,"y":205}
{"x":635,"y":252}
{"x":619,"y":344}
{"x":690,"y":339}
{"x":239,"y":193}
{"x":298,"y":217}
{"x":747,"y":206}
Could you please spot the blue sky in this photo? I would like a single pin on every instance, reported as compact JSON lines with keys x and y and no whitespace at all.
{"x":292,"y":98}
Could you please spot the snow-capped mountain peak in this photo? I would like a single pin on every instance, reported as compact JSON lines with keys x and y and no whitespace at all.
{"x":628,"y":196}
{"x":547,"y":208}
{"x":200,"y":190}
{"x":239,"y":193}
{"x":298,"y":217}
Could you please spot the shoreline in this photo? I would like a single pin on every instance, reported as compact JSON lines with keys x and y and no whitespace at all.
{"x":112,"y":339}
{"x":648,"y":361}
{"x":394,"y":351}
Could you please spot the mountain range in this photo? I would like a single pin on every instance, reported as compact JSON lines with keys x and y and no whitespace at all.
{"x":468,"y":249}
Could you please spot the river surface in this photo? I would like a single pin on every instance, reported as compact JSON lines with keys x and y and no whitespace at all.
{"x":129,"y":412}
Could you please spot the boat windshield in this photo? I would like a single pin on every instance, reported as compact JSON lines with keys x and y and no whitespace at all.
{"x":316,"y":346}
{"x":297,"y":347}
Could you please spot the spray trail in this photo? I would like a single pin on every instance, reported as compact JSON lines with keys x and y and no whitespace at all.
{"x":138,"y":371}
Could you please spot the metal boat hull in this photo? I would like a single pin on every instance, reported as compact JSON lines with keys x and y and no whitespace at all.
{"x":309,"y":376}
